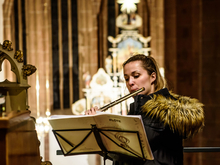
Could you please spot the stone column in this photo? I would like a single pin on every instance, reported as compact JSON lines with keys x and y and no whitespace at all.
{"x":157,"y":30}
{"x":88,"y":39}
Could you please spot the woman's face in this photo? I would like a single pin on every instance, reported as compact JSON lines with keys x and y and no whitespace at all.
{"x":137,"y":77}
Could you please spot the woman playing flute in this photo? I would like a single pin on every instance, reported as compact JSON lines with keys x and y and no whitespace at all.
{"x":168,"y":118}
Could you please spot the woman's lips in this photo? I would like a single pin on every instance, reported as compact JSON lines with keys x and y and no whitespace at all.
{"x":133,"y":90}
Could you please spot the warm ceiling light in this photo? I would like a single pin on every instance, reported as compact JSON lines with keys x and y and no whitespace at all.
{"x":128,"y":5}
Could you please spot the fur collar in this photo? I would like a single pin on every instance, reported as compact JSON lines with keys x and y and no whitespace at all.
{"x":184,"y":115}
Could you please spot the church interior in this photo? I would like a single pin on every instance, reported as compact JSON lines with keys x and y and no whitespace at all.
{"x":61,"y":57}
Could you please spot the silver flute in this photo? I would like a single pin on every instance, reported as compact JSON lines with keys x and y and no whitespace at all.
{"x":104,"y":108}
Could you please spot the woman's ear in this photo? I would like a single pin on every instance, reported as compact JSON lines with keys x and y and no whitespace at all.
{"x":153,"y":77}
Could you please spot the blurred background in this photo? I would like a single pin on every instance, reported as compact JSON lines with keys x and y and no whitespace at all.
{"x":78,"y":47}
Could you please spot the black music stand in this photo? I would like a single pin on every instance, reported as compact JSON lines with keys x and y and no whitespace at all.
{"x":104,"y":138}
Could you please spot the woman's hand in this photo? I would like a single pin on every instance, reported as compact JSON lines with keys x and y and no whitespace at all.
{"x":91,"y":111}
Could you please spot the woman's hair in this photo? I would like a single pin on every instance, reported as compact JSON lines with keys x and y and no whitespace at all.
{"x":150,"y":65}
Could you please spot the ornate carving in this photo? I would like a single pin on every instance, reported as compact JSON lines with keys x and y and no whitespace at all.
{"x":28,"y":70}
{"x":45,"y":162}
{"x":114,"y":41}
{"x":19,"y":56}
{"x":7,"y":45}
{"x":2,"y":56}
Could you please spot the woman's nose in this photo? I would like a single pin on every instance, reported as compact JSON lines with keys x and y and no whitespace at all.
{"x":131,"y":81}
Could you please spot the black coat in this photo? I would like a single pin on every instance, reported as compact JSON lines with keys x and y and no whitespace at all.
{"x":163,"y":125}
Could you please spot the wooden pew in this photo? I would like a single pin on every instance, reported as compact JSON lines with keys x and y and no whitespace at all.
{"x":19,"y":144}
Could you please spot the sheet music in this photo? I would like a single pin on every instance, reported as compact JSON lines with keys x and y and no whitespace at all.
{"x":106,"y":121}
{"x":131,"y":123}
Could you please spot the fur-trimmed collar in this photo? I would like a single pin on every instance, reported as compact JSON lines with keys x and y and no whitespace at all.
{"x":183,"y":115}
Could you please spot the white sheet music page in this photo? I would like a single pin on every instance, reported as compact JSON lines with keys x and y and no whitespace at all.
{"x":119,"y":133}
{"x":129,"y":141}
{"x":71,"y":130}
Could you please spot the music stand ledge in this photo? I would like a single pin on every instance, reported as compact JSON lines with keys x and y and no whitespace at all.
{"x":109,"y":135}
{"x":103,"y":150}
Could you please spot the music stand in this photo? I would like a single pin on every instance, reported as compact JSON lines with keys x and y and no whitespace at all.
{"x":110,"y":143}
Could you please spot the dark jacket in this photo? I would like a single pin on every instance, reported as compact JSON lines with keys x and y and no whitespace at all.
{"x":167,"y":118}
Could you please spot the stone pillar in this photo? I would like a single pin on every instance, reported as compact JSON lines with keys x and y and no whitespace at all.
{"x":102,"y":34}
{"x":144,"y":10}
{"x":88,"y":38}
{"x":156,"y":30}
{"x":39,"y":54}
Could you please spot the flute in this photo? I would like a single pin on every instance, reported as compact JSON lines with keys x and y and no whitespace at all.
{"x":104,"y":108}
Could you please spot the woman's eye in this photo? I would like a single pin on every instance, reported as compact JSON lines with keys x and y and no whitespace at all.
{"x":136,"y":76}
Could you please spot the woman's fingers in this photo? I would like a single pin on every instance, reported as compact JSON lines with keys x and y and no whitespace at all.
{"x":91,"y":111}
